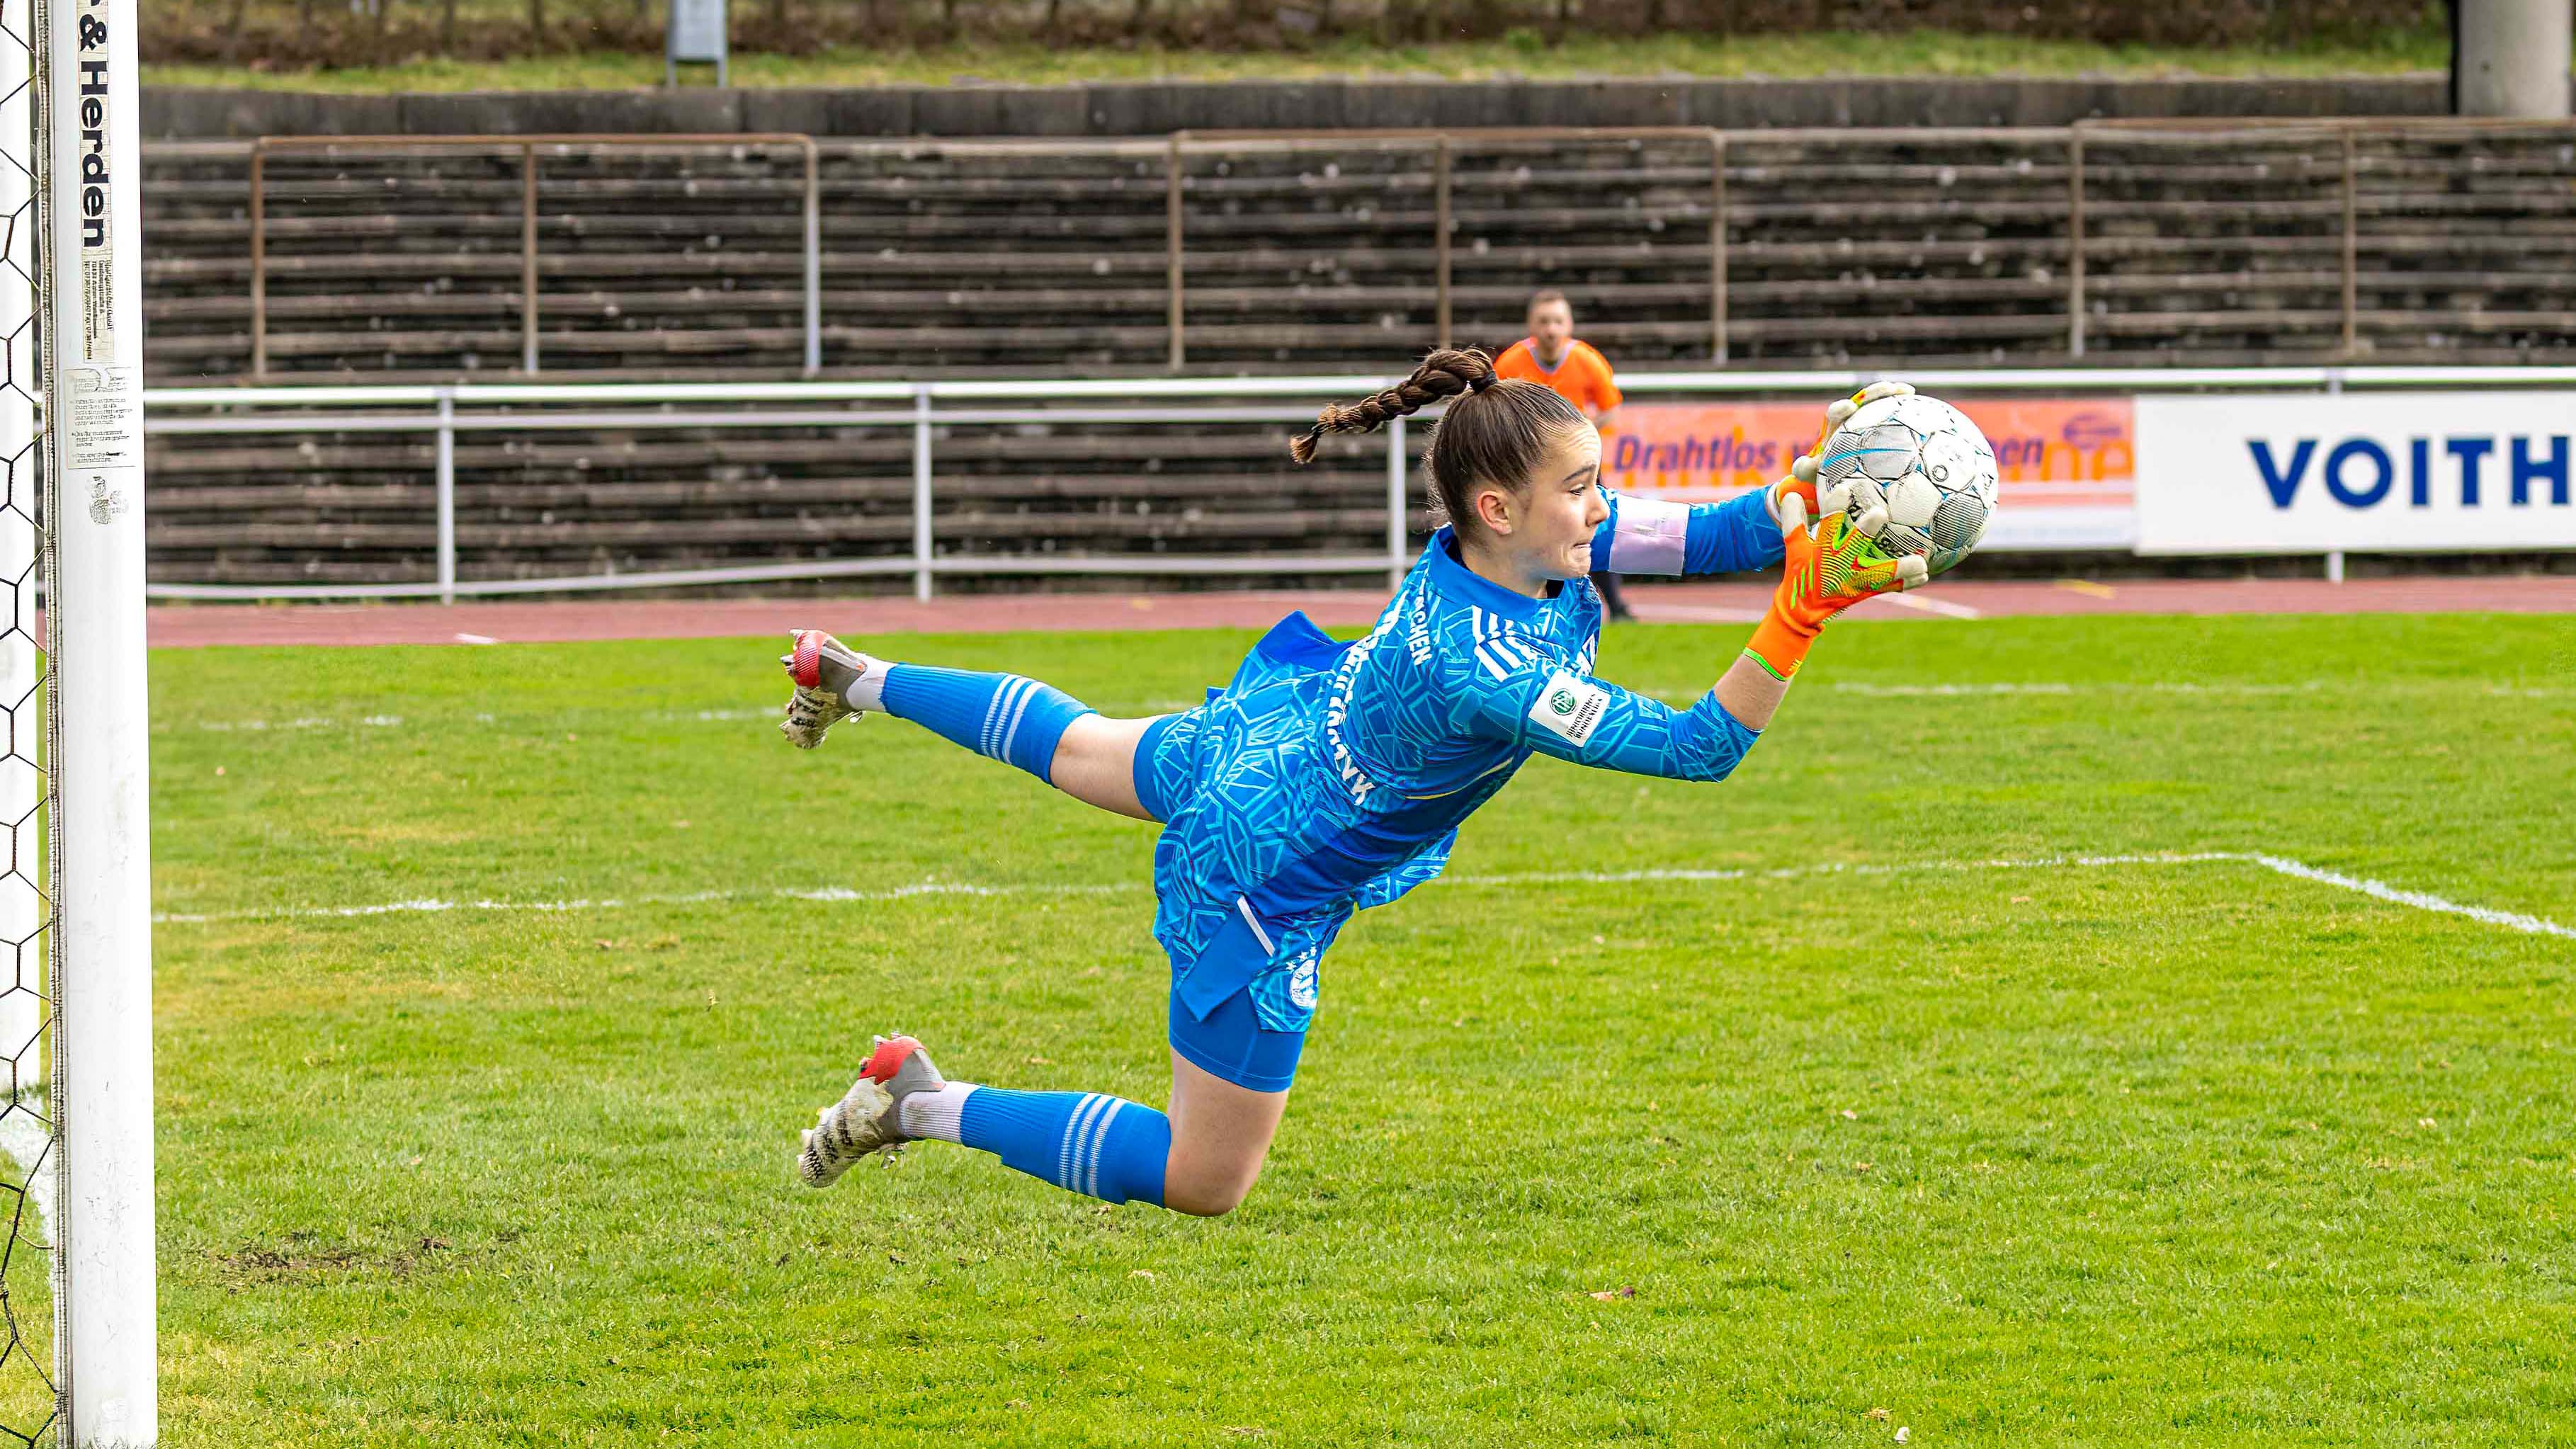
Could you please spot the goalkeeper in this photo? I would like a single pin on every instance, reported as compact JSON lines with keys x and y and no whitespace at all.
{"x":1329,"y":776}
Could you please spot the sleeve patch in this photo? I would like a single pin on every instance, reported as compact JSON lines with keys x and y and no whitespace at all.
{"x":1569,"y":707}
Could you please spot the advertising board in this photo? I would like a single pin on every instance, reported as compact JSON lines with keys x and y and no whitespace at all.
{"x":2068,"y":465}
{"x":2379,"y":472}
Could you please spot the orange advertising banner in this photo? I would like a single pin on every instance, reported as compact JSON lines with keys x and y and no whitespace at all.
{"x":2053,"y":453}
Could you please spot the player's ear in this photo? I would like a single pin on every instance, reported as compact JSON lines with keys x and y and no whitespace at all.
{"x":1494,"y":510}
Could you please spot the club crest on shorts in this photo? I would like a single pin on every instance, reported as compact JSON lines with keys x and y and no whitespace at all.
{"x":1301,"y":981}
{"x":1569,"y":707}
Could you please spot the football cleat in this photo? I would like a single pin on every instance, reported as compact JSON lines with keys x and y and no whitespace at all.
{"x":824,"y":669}
{"x":869,"y":1117}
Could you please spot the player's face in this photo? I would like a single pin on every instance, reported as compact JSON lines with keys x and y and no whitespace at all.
{"x":1551,"y":325}
{"x":1563,"y":505}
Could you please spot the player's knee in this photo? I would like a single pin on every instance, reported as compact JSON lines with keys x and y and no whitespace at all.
{"x":1206,"y":1200}
{"x":1210,"y":1190}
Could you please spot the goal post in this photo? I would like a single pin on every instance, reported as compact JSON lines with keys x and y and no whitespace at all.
{"x":88,"y":174}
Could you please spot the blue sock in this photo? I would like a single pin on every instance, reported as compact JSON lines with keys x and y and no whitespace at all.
{"x":1000,"y":716}
{"x":1085,"y":1142}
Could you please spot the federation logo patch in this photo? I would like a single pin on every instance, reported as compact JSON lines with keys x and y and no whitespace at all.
{"x":1569,"y":707}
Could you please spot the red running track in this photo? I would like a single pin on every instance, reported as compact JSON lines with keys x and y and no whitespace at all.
{"x":197,"y":625}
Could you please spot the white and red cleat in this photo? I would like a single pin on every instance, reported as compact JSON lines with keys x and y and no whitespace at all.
{"x":826,"y":671}
{"x":869,"y":1118}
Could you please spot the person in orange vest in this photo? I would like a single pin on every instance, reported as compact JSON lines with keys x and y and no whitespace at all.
{"x":1575,"y":371}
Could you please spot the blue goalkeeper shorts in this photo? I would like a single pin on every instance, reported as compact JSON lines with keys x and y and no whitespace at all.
{"x":1224,"y":1038}
{"x":1231,"y":1043}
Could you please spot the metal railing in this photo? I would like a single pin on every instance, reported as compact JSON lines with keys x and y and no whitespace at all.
{"x":1443,"y":148}
{"x":528,"y":147}
{"x":447,"y":411}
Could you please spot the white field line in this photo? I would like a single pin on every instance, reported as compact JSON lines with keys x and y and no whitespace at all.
{"x":2279,"y":865}
{"x":2378,"y":890}
{"x":2311,"y":687}
{"x":307,"y":722}
{"x":548,"y":722}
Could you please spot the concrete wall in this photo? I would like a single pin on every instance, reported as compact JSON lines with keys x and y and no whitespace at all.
{"x":172,"y":113}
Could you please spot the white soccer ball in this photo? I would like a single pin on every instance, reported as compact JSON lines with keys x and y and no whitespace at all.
{"x":1923,"y":461}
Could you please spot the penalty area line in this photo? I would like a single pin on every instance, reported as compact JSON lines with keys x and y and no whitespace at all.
{"x":2278,"y":865}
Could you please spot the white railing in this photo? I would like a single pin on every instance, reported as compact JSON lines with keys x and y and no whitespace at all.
{"x":447,"y":411}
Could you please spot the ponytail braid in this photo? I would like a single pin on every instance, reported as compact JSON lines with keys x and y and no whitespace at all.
{"x":1495,"y":435}
{"x":1445,"y":373}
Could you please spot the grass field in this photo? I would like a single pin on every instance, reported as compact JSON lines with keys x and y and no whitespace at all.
{"x":2157,"y":1152}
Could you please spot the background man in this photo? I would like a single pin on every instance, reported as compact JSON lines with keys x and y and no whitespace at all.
{"x":1577,"y":372}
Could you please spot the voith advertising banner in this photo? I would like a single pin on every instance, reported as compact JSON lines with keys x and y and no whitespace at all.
{"x":2068,"y":466}
{"x":2379,"y":472}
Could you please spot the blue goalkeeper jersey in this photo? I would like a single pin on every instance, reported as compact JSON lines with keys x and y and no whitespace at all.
{"x":1329,"y":776}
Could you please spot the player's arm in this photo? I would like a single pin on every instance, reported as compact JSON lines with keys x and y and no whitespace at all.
{"x":1542,"y":704}
{"x":1546,"y":707}
{"x":1657,"y":536}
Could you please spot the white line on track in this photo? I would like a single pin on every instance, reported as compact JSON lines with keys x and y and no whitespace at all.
{"x":2279,"y":865}
{"x":1926,"y":604}
{"x":1695,"y":614}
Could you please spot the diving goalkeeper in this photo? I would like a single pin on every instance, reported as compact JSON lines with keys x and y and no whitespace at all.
{"x":1330,"y":776}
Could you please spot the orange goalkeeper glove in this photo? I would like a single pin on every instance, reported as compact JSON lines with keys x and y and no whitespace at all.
{"x":1801,"y":482}
{"x":1822,"y":575}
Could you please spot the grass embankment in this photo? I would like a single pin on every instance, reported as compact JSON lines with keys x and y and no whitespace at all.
{"x":1524,"y":55}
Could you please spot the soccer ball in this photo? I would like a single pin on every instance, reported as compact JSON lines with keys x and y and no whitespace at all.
{"x":1923,"y":461}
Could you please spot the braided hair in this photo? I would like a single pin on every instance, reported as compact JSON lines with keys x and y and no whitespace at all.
{"x":1494,"y":434}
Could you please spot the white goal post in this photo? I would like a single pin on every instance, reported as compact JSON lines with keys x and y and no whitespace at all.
{"x":87,"y":178}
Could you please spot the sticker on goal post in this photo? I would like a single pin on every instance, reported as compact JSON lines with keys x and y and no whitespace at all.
{"x":1569,"y":707}
{"x":101,"y":429}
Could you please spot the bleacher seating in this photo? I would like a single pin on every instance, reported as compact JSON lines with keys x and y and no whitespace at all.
{"x":1844,"y":248}
{"x":1855,"y":248}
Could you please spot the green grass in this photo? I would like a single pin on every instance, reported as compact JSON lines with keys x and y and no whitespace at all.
{"x":2096,"y":1155}
{"x":1918,"y":53}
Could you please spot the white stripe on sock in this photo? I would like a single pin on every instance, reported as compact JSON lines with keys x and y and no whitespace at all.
{"x":1009,"y":699}
{"x":1065,"y":1158}
{"x":1018,"y":712}
{"x":993,"y":710}
{"x":1099,"y":1139}
{"x":985,"y":731}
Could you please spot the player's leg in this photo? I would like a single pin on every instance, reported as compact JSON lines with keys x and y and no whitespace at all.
{"x":1230,"y":1079}
{"x":1097,"y":759}
{"x":1202,"y":1158}
{"x":1221,"y":1135}
{"x":1006,"y":717}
